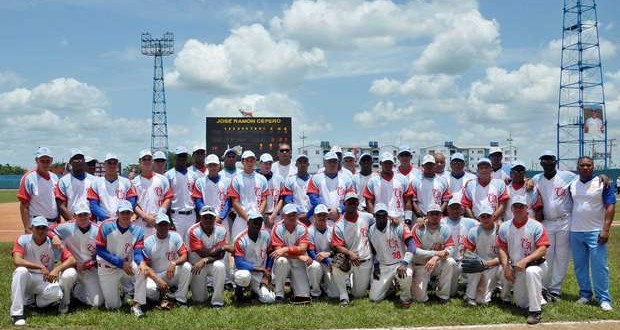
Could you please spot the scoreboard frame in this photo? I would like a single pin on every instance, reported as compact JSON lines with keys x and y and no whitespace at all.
{"x":259,"y":134}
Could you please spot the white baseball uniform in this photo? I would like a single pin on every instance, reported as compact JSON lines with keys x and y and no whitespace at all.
{"x":500,"y":175}
{"x":109,"y":193}
{"x":152,"y":192}
{"x":198,"y":239}
{"x":296,"y":187}
{"x":198,"y":173}
{"x":426,"y":191}
{"x":331,"y":190}
{"x":250,"y":190}
{"x":456,"y":184}
{"x":182,"y":204}
{"x":281,"y":236}
{"x":411,"y":174}
{"x":359,"y":184}
{"x":459,"y":229}
{"x":319,"y":273}
{"x":284,"y":170}
{"x":389,"y":191}
{"x":275,"y":184}
{"x":476,"y":195}
{"x":254,"y":254}
{"x":72,"y":190}
{"x":38,"y":192}
{"x":482,"y":243}
{"x":532,"y":198}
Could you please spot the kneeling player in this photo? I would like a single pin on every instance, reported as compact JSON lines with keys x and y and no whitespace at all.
{"x":320,"y":250}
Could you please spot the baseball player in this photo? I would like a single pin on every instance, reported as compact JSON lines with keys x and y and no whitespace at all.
{"x":182,"y":204}
{"x":230,"y":163}
{"x":252,"y":261}
{"x":207,"y":242}
{"x":35,"y":278}
{"x":481,"y":243}
{"x":211,"y":190}
{"x":523,"y":243}
{"x":320,"y":250}
{"x":289,"y":243}
{"x":393,"y":248}
{"x":154,"y":194}
{"x":404,"y":163}
{"x":390,"y":189}
{"x":119,"y":251}
{"x":434,"y":245}
{"x":440,"y":165}
{"x":159,"y":162}
{"x":497,"y":167}
{"x":198,"y":157}
{"x":72,"y":188}
{"x":248,"y":191}
{"x":458,"y":177}
{"x":107,"y":191}
{"x":91,"y":165}
{"x":428,"y":188}
{"x":348,"y":162}
{"x":329,"y":187}
{"x":553,"y":187}
{"x":165,"y":263}
{"x":350,"y":238}
{"x":517,"y":187}
{"x":361,"y":178}
{"x":275,"y":184}
{"x":295,"y":187}
{"x":485,"y":190}
{"x":79,"y":237}
{"x":283,"y":167}
{"x":36,"y":191}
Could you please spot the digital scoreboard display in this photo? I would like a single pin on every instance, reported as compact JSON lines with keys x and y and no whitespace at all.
{"x":259,"y":134}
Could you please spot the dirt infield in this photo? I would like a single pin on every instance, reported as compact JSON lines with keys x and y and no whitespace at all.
{"x":10,"y":222}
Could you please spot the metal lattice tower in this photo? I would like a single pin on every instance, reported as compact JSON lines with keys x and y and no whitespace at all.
{"x":582,"y":98}
{"x":158,"y":48}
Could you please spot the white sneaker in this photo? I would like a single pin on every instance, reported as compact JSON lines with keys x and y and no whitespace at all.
{"x":606,"y":306}
{"x":582,"y":301}
{"x":137,"y":311}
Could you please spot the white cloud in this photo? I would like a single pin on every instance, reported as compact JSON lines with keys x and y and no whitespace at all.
{"x":384,"y":112}
{"x":424,"y":87}
{"x":552,"y":53}
{"x":10,"y":79}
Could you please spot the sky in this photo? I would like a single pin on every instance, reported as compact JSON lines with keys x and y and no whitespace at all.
{"x":348,"y":71}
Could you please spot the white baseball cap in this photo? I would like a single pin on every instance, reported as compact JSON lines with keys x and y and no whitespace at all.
{"x":212,"y":159}
{"x":81,"y":208}
{"x":434,"y":207}
{"x":39,"y":221}
{"x":364,"y":155}
{"x":253,"y":214}
{"x":428,"y":159}
{"x":547,"y":153}
{"x":454,"y":200}
{"x":266,"y":158}
{"x":75,"y":152}
{"x":351,"y":195}
{"x":484,"y":161}
{"x":143,"y":153}
{"x":289,"y":209}
{"x":330,"y":155}
{"x":404,"y":149}
{"x":161,"y":217}
{"x":88,"y":159}
{"x":110,"y":156}
{"x":300,"y":157}
{"x":336,"y":149}
{"x":248,"y":154}
{"x":180,"y":150}
{"x":386,"y":157}
{"x":242,"y":279}
{"x":207,"y":209}
{"x":229,"y":150}
{"x":494,"y":150}
{"x":380,"y":207}
{"x":348,"y":154}
{"x":42,"y":152}
{"x":457,"y":156}
{"x":518,"y":199}
{"x":124,"y":205}
{"x":485,"y":209}
{"x":198,"y":147}
{"x":159,"y":155}
{"x":517,"y":163}
{"x":321,"y":209}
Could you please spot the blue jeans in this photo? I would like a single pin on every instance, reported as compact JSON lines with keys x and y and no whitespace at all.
{"x":588,"y":253}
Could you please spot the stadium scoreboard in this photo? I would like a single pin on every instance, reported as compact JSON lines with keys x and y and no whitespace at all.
{"x":259,"y":134}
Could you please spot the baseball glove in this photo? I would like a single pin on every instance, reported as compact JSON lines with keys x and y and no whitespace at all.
{"x":165,"y":304}
{"x":341,"y":261}
{"x":473,"y":264}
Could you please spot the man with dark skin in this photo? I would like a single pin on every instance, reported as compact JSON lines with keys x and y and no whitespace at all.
{"x":295,"y":186}
{"x":198,"y":161}
{"x":91,"y":165}
{"x":182,"y":180}
{"x":230,"y":163}
{"x":360,"y":179}
{"x":496,"y":156}
{"x":73,"y":187}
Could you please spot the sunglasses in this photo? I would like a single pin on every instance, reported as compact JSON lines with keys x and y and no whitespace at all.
{"x":285,"y":150}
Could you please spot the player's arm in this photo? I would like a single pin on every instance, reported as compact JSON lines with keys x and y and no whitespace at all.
{"x":236,"y":204}
{"x":68,"y":261}
{"x":263,"y":206}
{"x":506,"y":266}
{"x":148,"y":218}
{"x":415,"y":207}
{"x":64,"y":210}
{"x":25,"y":215}
{"x":499,"y":212}
{"x":19,"y":261}
{"x":609,"y":200}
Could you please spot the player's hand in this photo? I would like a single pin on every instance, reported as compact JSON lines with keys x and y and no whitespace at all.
{"x":306,"y":260}
{"x":333,"y":214}
{"x":603,"y":237}
{"x":431,"y":264}
{"x":376,"y":272}
{"x":322,"y":255}
{"x":520,"y":265}
{"x":508,"y":274}
{"x":53,"y":275}
{"x":162,"y":285}
{"x":277,"y":253}
{"x":56,"y":242}
{"x":529,"y":185}
{"x":128,"y":268}
{"x":401,"y":271}
{"x":90,"y":264}
{"x":198,"y":266}
{"x":442,"y":254}
{"x":394,"y":221}
{"x":218,"y":220}
{"x":28,"y":230}
{"x":437,"y":247}
{"x":355,"y":259}
{"x":606,"y":181}
{"x":271,"y":220}
{"x":171,"y":269}
{"x":421,"y":222}
{"x":150,"y":220}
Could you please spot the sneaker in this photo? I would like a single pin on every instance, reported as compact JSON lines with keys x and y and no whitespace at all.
{"x":405,"y":304}
{"x":606,"y":306}
{"x":582,"y":301}
{"x":471,"y":302}
{"x":553,"y":297}
{"x":137,"y":311}
{"x":239,"y":297}
{"x":63,"y":308}
{"x":344,"y":302}
{"x":534,"y":318}
{"x":18,"y":320}
{"x":181,"y":304}
{"x":279,"y":299}
{"x":442,"y":301}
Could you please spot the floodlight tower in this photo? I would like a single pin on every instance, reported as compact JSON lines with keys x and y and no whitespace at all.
{"x":582,"y":122}
{"x":158,"y":48}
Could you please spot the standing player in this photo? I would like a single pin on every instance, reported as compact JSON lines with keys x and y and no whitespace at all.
{"x":35,"y":278}
{"x":498,"y":172}
{"x":230,"y":163}
{"x":36,"y":191}
{"x":207,"y":242}
{"x":348,"y":161}
{"x":516,"y":187}
{"x":458,"y":177}
{"x":428,"y":188}
{"x":329,"y":187}
{"x":459,"y":228}
{"x":159,"y":162}
{"x":211,"y":190}
{"x":106,"y":192}
{"x":72,"y":188}
{"x":275,"y":184}
{"x":320,"y":250}
{"x":182,"y":204}
{"x":154,"y":194}
{"x":198,"y":157}
{"x":523,"y":243}
{"x":91,"y":165}
{"x":295,"y":187}
{"x":440,"y":165}
{"x":283,"y":166}
{"x":361,"y":178}
{"x":119,"y":251}
{"x":393,"y":248}
{"x":404,"y":164}
{"x":350,"y":238}
{"x":485,"y":190}
{"x":389,"y":189}
{"x":165,"y":263}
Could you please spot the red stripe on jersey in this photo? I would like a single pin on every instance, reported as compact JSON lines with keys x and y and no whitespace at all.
{"x":169,"y":194}
{"x":195,"y":243}
{"x":312,"y":188}
{"x":17,"y":248}
{"x":131,"y":193}
{"x":368,"y":194}
{"x":469,"y":245}
{"x":22,"y":193}
{"x":232,"y":192}
{"x":91,"y":194}
{"x":196,"y":193}
{"x":58,"y":194}
{"x":543,"y":240}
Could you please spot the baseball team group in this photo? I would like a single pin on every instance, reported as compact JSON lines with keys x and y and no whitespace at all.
{"x":270,"y":232}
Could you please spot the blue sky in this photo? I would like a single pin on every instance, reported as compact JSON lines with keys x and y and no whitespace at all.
{"x":418,"y":72}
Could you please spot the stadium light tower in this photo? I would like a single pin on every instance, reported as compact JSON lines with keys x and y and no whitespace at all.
{"x":158,"y":48}
{"x":582,"y":122}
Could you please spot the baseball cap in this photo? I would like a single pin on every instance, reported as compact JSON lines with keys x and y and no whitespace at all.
{"x":336,"y":149}
{"x":212,"y":159}
{"x":485,"y":209}
{"x":43,"y":151}
{"x":428,"y":159}
{"x":145,"y":152}
{"x":457,"y":156}
{"x":330,"y":155}
{"x":300,"y":157}
{"x":386,"y":157}
{"x":364,"y":155}
{"x":453,"y":201}
{"x":289,"y":209}
{"x":351,"y":195}
{"x":248,"y":154}
{"x":494,"y":150}
{"x":517,"y":163}
{"x":180,"y":150}
{"x":161,"y":217}
{"x":266,"y":158}
{"x":39,"y":221}
{"x":75,"y":152}
{"x":207,"y":209}
{"x":348,"y":154}
{"x":197,"y":148}
{"x":253,"y":214}
{"x":404,"y":149}
{"x":88,"y":159}
{"x":321,"y":209}
{"x":124,"y":205}
{"x":110,"y":156}
{"x":380,"y":207}
{"x":484,"y":161}
{"x":547,"y":153}
{"x":229,"y":150}
{"x":518,"y":199}
{"x":433,"y":208}
{"x":81,"y":208}
{"x":159,"y":155}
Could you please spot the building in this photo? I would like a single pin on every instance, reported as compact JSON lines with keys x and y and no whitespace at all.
{"x":472,"y":153}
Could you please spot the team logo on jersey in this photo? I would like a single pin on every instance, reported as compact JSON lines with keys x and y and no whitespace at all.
{"x":91,"y":248}
{"x":120,"y":194}
{"x":127,"y":248}
{"x":171,"y":255}
{"x":492,"y":198}
{"x":45,"y":259}
{"x":341,"y":191}
{"x":393,"y":243}
{"x":437,"y":195}
{"x":560,"y":191}
{"x":159,"y":192}
{"x":526,"y":245}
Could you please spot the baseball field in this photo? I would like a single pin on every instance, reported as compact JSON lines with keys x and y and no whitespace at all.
{"x":322,"y":314}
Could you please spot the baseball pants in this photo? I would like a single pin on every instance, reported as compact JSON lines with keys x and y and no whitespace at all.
{"x":245,"y":278}
{"x":110,"y":278}
{"x":558,"y":254}
{"x":527,"y":287}
{"x":182,"y":222}
{"x":282,"y":267}
{"x":379,"y":288}
{"x":25,"y":286}
{"x":444,"y":270}
{"x":359,"y":283}
{"x":217,"y":272}
{"x":589,"y":254}
{"x":84,"y":285}
{"x":321,"y":278}
{"x":181,"y":279}
{"x":480,"y":286}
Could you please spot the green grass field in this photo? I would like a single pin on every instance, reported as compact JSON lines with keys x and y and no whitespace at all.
{"x":323,"y":314}
{"x":8,"y":195}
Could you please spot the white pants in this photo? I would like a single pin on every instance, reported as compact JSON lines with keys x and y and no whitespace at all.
{"x":85,"y":286}
{"x":245,"y":278}
{"x":321,"y":280}
{"x":444,"y":269}
{"x":181,"y":279}
{"x":26,"y":285}
{"x":454,"y":282}
{"x":360,"y":281}
{"x":527,"y":287}
{"x":217,"y":272}
{"x":282,"y":268}
{"x":558,"y":254}
{"x":111,"y":278}
{"x":148,"y":231}
{"x":182,"y":222}
{"x":379,"y":288}
{"x":480,"y":286}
